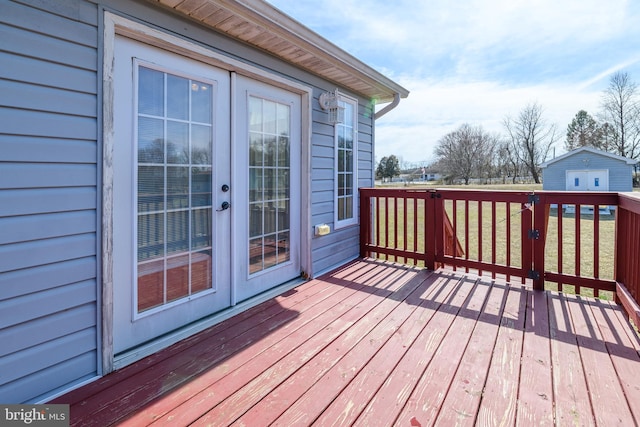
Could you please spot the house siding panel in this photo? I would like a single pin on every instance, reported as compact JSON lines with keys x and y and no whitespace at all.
{"x":26,"y":43}
{"x":18,"y":364}
{"x":43,"y":73}
{"x":38,"y":227}
{"x":17,"y":148}
{"x":32,"y":97}
{"x":44,"y":200}
{"x":26,"y":281}
{"x":38,"y":331}
{"x":48,"y":197}
{"x":342,"y":244}
{"x":63,"y":375}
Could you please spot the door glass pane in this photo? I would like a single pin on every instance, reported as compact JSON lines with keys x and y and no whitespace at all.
{"x":174,"y":174}
{"x":201,"y":102}
{"x":201,"y":269}
{"x":200,"y":228}
{"x":150,"y":91}
{"x":177,"y":277}
{"x":150,"y":284}
{"x":177,"y":187}
{"x":270,"y":150}
{"x":177,"y":142}
{"x":177,"y":232}
{"x":200,"y":186}
{"x":269,"y":117}
{"x":150,"y":140}
{"x":255,"y":219}
{"x":150,"y":188}
{"x":178,"y":94}
{"x":201,"y":145}
{"x":269,"y":181}
{"x":283,"y":151}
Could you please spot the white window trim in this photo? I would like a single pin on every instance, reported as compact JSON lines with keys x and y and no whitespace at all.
{"x":354,"y":220}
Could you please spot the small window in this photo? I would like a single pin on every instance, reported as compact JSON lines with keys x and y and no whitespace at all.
{"x":596,"y":182}
{"x":346,"y":191}
{"x":576,"y":182}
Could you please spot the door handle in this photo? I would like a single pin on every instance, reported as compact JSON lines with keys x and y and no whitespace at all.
{"x":223,"y":207}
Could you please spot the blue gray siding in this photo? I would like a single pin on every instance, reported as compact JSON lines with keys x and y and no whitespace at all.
{"x":341,"y":244}
{"x":620,"y":173}
{"x":48,"y":197}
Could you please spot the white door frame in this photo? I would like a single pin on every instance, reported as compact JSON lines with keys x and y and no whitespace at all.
{"x":115,"y":24}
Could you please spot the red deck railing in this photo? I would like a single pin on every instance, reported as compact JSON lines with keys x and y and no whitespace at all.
{"x":627,"y":254}
{"x":566,"y":240}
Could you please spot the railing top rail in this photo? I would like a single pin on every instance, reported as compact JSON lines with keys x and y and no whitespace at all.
{"x":630,"y":202}
{"x":580,"y":197}
{"x":551,"y":197}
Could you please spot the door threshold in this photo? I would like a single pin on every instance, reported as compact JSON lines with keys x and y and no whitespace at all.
{"x":128,"y":357}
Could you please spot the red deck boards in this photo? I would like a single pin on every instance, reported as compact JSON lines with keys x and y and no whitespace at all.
{"x":605,"y":391}
{"x":570,"y":392}
{"x":378,"y":344}
{"x":464,"y":396}
{"x":535,"y":396}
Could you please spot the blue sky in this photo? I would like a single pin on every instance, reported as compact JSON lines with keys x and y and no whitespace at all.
{"x":478,"y":61}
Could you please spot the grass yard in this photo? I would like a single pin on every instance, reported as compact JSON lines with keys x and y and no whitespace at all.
{"x":482,"y":246}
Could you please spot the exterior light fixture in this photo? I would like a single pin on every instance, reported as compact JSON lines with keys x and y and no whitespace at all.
{"x":329,"y":102}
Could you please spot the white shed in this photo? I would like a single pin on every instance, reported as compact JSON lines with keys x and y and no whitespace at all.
{"x":588,"y":169}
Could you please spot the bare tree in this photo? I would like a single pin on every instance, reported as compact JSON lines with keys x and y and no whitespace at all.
{"x":531,"y":137}
{"x":507,"y":163}
{"x":621,"y":110}
{"x":465,"y":152}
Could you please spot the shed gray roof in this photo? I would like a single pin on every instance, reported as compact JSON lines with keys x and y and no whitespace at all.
{"x":592,"y":151}
{"x":261,"y":25}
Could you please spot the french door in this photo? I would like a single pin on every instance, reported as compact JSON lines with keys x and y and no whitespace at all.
{"x":206,"y":208}
{"x":267,"y":173}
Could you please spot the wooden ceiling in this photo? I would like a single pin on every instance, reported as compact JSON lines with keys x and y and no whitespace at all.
{"x":259,"y":24}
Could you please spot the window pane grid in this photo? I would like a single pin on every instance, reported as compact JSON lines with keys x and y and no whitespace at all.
{"x":174,"y":242}
{"x":269,"y":183}
{"x":345,"y":155}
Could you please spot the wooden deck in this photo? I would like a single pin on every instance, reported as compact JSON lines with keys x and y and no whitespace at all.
{"x":378,"y":344}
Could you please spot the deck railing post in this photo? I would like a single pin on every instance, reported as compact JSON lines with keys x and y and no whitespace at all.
{"x":365,"y":222}
{"x":438,"y":227}
{"x":538,"y":239}
{"x":430,"y":231}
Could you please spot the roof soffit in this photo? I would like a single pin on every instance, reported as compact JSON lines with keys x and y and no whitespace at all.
{"x":259,"y":24}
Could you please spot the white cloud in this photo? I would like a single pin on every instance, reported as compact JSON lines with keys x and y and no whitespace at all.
{"x":435,"y":108}
{"x":477,"y":61}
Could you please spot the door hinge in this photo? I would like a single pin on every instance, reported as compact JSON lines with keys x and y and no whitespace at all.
{"x":534,"y":275}
{"x":534,"y":234}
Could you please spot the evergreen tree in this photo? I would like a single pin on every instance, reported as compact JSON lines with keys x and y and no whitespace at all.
{"x":583,"y":131}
